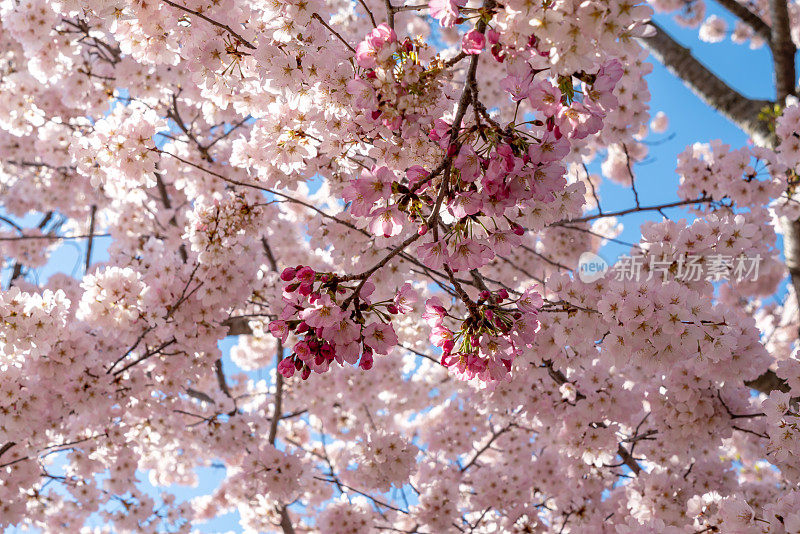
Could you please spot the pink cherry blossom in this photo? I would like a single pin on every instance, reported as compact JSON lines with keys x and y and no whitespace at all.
{"x":380,"y":337}
{"x":405,"y":298}
{"x":473,"y":42}
{"x":433,"y":254}
{"x":445,"y":11}
{"x":387,"y":221}
{"x":470,"y":254}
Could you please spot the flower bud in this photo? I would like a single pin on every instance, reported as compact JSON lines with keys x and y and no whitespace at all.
{"x":288,"y":274}
{"x":366,"y":361}
{"x":291,"y":288}
{"x":305,"y":289}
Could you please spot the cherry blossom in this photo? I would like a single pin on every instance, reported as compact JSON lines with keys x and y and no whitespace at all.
{"x":385,"y":208}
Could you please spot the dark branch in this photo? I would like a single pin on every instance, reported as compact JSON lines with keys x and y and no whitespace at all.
{"x":760,"y":27}
{"x":783,"y":50}
{"x":225,"y":27}
{"x":768,"y":382}
{"x":91,"y":239}
{"x":678,"y":59}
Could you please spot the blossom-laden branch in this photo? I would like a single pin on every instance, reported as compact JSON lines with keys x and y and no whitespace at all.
{"x":742,"y":111}
{"x":225,"y":27}
{"x":783,"y":50}
{"x":747,"y":16}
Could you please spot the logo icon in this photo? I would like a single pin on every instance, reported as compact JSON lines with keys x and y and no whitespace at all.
{"x":591,"y":267}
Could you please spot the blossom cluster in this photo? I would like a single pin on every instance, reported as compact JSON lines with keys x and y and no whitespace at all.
{"x":32,"y":323}
{"x":330,"y":332}
{"x":487,"y":341}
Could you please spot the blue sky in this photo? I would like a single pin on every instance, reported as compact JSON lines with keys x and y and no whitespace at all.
{"x":690,"y":120}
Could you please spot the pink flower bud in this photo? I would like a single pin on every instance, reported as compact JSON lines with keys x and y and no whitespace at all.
{"x":497,"y":53}
{"x":473,"y":42}
{"x":291,"y":288}
{"x":366,"y":362}
{"x":306,"y":289}
{"x":448,"y":345}
{"x":449,"y":359}
{"x":288,"y":274}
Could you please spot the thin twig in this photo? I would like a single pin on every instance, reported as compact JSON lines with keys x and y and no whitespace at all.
{"x":90,"y":242}
{"x":334,"y":32}
{"x":225,"y":27}
{"x":389,"y":12}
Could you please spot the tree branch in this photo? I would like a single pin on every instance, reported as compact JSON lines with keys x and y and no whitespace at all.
{"x":783,"y":50}
{"x":276,"y":416}
{"x":783,"y":54}
{"x":16,"y":272}
{"x":225,"y":27}
{"x":758,"y":25}
{"x":223,"y":385}
{"x":389,"y":13}
{"x":678,"y":59}
{"x":628,"y":459}
{"x":486,"y":447}
{"x":768,"y":382}
{"x":334,"y":32}
{"x":88,"y":261}
{"x":5,"y":447}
